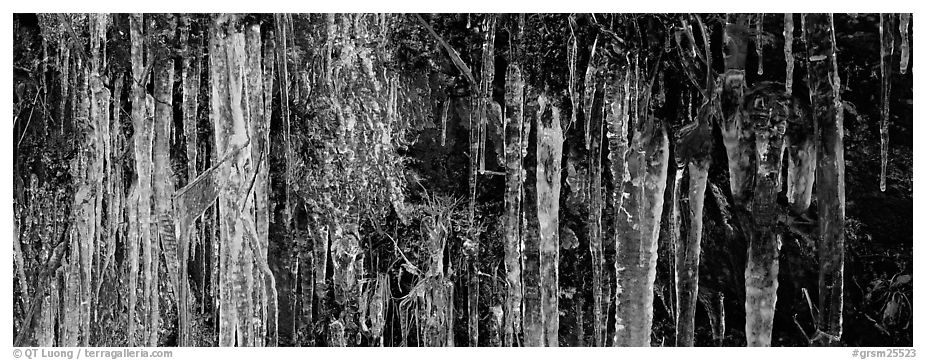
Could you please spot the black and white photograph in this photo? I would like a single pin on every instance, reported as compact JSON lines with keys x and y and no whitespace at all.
{"x":461,"y":179}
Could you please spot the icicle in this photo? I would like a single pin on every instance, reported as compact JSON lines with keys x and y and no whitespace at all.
{"x":638,"y":222}
{"x":789,"y":55}
{"x":713,"y":303}
{"x":887,"y":51}
{"x":691,"y":108}
{"x":336,"y":334}
{"x":694,"y":148}
{"x":140,"y":194}
{"x":378,"y":307}
{"x":661,"y":86}
{"x":102,"y":175}
{"x":617,"y":148}
{"x":51,"y":316}
{"x":443,"y":122}
{"x":514,"y":110}
{"x":473,"y":161}
{"x":691,"y":40}
{"x":43,"y":78}
{"x":85,"y":173}
{"x":284,"y":92}
{"x":688,"y":251}
{"x":150,"y":258}
{"x":163,"y":186}
{"x":736,"y":130}
{"x":65,"y":71}
{"x":69,"y":327}
{"x":610,"y":123}
{"x":190,"y":77}
{"x":549,"y":156}
{"x":802,"y":161}
{"x":571,"y":52}
{"x":263,"y":295}
{"x":904,"y":42}
{"x":472,"y":290}
{"x":216,"y":245}
{"x":472,"y":263}
{"x":488,"y":75}
{"x":18,"y":261}
{"x":759,"y":41}
{"x":579,"y":304}
{"x":762,"y":264}
{"x":588,"y":96}
{"x":190,"y":85}
{"x":824,"y":86}
{"x":530,"y":237}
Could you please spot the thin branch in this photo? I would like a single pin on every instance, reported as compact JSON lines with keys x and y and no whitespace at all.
{"x":810,"y":305}
{"x":208,"y":172}
{"x":252,"y":182}
{"x":454,"y":55}
{"x":688,"y":67}
{"x":799,"y":327}
{"x":75,"y":39}
{"x":695,"y":51}
{"x":29,"y":121}
{"x":709,"y":74}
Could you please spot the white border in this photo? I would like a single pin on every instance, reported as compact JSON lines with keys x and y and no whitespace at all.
{"x":470,"y":6}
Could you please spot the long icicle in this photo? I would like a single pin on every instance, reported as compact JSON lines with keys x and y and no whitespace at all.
{"x":118,"y":205}
{"x":99,"y":112}
{"x":140,"y":210}
{"x":549,"y":156}
{"x":162,"y":180}
{"x":588,"y":91}
{"x":284,"y":96}
{"x":887,"y":51}
{"x":488,"y":76}
{"x":610,"y":108}
{"x":571,"y":52}
{"x":595,"y":229}
{"x":475,"y":153}
{"x":265,"y":303}
{"x":759,"y":20}
{"x":694,"y":148}
{"x":472,"y":290}
{"x":190,"y":79}
{"x":789,"y":54}
{"x":85,"y":211}
{"x":514,"y":110}
{"x":830,"y":190}
{"x":530,"y":237}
